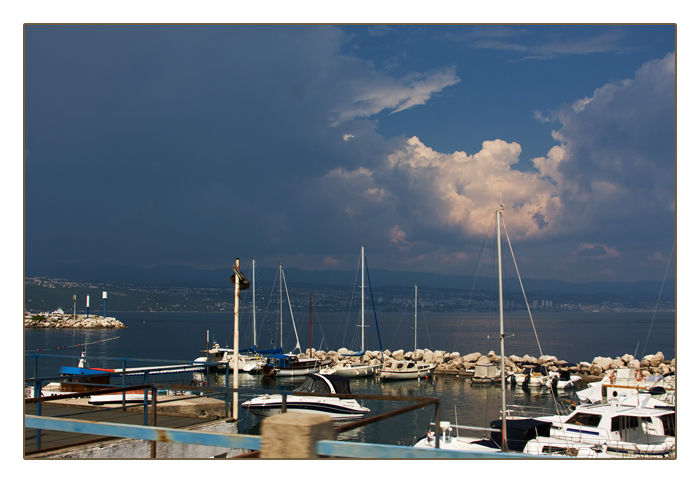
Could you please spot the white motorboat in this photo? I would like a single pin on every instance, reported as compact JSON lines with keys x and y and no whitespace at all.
{"x":527,"y":436}
{"x":533,"y":376}
{"x":563,"y":380}
{"x":225,"y":357}
{"x":403,"y":370}
{"x":627,"y":382}
{"x":631,"y":426}
{"x":486,"y":373}
{"x":340,"y":409}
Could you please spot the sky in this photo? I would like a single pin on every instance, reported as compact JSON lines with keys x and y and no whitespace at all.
{"x":296,"y":144}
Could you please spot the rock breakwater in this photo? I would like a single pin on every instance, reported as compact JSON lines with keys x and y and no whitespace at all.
{"x":64,"y":321}
{"x":455,"y":363}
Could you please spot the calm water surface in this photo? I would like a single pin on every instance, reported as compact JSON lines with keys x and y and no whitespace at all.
{"x":575,"y":337}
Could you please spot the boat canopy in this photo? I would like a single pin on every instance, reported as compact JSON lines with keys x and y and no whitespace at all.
{"x":326,"y":384}
{"x":519,"y":432}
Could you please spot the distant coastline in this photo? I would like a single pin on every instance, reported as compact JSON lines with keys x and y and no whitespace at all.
{"x":46,"y":294}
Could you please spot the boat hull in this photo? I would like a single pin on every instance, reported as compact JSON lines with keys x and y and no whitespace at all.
{"x":356,"y":370}
{"x":418,"y":372}
{"x":338,"y":409}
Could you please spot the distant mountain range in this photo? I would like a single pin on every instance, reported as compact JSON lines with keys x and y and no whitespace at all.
{"x":180,"y":274}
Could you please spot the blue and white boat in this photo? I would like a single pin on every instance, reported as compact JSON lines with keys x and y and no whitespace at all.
{"x":323,"y":385}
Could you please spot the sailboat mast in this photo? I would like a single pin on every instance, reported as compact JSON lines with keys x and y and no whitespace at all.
{"x":504,"y":444}
{"x":415,"y":322}
{"x":363,"y":297}
{"x":255,"y":342}
{"x":311,"y":346}
{"x":281,"y":339}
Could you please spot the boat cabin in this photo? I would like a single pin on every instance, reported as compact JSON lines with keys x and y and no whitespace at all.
{"x":84,"y":379}
{"x":325,"y":384}
{"x":487,"y":372}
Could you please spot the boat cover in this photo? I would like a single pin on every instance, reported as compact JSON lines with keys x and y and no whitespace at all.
{"x":519,"y":432}
{"x":319,"y":383}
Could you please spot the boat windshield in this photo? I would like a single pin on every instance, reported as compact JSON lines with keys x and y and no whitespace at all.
{"x":313,"y":385}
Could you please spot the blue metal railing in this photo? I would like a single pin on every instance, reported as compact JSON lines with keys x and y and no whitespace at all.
{"x":327,"y":448}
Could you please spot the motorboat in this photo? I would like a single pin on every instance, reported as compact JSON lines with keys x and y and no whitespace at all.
{"x":627,"y":382}
{"x":563,"y":380}
{"x":403,"y":370}
{"x":630,"y":426}
{"x":323,"y":387}
{"x":533,"y":376}
{"x":225,"y":357}
{"x":486,"y":373}
{"x":526,"y":436}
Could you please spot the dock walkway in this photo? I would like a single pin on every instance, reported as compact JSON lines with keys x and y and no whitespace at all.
{"x":172,"y":413}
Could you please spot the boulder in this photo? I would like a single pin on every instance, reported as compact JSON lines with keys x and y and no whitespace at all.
{"x":596,"y":370}
{"x":603,"y":362}
{"x":473,"y":357}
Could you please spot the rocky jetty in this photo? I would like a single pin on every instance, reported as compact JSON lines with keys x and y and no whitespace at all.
{"x":455,"y":363}
{"x":59,"y":320}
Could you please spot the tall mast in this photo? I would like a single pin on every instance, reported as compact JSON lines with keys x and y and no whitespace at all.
{"x":255,"y":343}
{"x":504,"y":443}
{"x":236,"y":308}
{"x":311,"y":346}
{"x":415,"y":322}
{"x":281,"y":339}
{"x":363,"y":297}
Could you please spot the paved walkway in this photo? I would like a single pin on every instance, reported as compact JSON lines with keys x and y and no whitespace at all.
{"x":80,"y":409}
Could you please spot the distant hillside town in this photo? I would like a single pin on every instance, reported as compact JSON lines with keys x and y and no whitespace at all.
{"x":48,"y":294}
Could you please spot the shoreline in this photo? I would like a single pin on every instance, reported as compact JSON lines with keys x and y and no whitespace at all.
{"x":59,"y":320}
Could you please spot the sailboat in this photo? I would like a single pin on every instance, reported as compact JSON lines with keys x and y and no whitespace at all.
{"x":500,"y":439}
{"x":356,"y":369}
{"x":290,"y":364}
{"x":402,"y":370}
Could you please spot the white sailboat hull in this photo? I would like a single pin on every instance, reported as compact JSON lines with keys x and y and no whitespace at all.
{"x":406,"y":371}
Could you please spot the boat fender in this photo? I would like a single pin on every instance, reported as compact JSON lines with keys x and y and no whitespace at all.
{"x":638,"y":376}
{"x":612,"y":378}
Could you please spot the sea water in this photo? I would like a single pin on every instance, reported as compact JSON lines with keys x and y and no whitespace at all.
{"x":161,"y":338}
